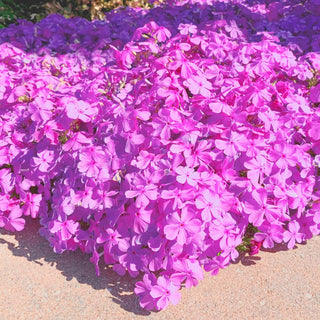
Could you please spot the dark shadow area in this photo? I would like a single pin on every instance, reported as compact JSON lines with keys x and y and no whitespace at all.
{"x":246,"y":259}
{"x":74,"y":265}
{"x":277,"y":247}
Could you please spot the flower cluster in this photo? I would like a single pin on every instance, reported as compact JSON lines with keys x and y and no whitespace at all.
{"x":158,"y":148}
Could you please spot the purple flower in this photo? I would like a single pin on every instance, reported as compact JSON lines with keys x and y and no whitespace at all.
{"x":44,"y":160}
{"x":188,"y":271}
{"x":187,"y":175}
{"x":32,"y":204}
{"x":6,"y":181}
{"x":66,"y":229}
{"x":182,"y":227}
{"x":143,"y":194}
{"x":143,"y":289}
{"x":13,"y":221}
{"x":165,"y":291}
{"x":293,"y":235}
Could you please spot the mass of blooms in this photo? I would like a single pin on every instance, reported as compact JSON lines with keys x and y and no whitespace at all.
{"x":164,"y":141}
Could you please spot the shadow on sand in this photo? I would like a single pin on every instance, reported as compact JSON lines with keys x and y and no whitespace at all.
{"x":73,"y":265}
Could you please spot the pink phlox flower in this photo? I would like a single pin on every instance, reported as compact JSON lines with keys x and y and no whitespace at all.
{"x":199,"y":85}
{"x":283,"y":155}
{"x":308,"y":225}
{"x":134,"y":259}
{"x":187,"y":175}
{"x":128,"y":55}
{"x":260,"y":95}
{"x":7,"y":181}
{"x":314,"y":131}
{"x":133,"y":139}
{"x":258,"y":168}
{"x":67,"y":207}
{"x":170,"y":92}
{"x":260,"y":67}
{"x":112,"y":241}
{"x":216,"y":50}
{"x":44,"y":160}
{"x":301,"y":103}
{"x":167,"y":122}
{"x":104,"y":196}
{"x":255,"y":147}
{"x":268,"y":234}
{"x":301,"y":71}
{"x":220,"y":107}
{"x":143,"y":289}
{"x":270,"y":119}
{"x":165,"y":292}
{"x":315,"y":94}
{"x":79,"y":109}
{"x":169,"y":166}
{"x":149,"y":46}
{"x":292,"y":235}
{"x":228,"y":86}
{"x":32,"y":204}
{"x":233,"y":30}
{"x":84,"y":198}
{"x":187,"y":68}
{"x":280,"y":178}
{"x":222,"y":227}
{"x":263,"y":209}
{"x":8,"y":153}
{"x":66,"y":229}
{"x":227,"y":170}
{"x":210,"y":205}
{"x":87,"y":238}
{"x":144,"y":159}
{"x":299,"y":196}
{"x":42,"y":109}
{"x":216,"y":263}
{"x":231,"y":244}
{"x":109,"y":236}
{"x":6,"y":202}
{"x":12,"y":221}
{"x":76,"y":142}
{"x":182,"y":146}
{"x":225,"y":229}
{"x":91,"y":163}
{"x":162,"y":34}
{"x":200,"y":154}
{"x":182,"y":226}
{"x":188,"y":271}
{"x":50,"y":130}
{"x":141,"y":218}
{"x":115,"y":161}
{"x":234,"y":144}
{"x":186,"y":28}
{"x":144,"y":193}
{"x":177,"y":197}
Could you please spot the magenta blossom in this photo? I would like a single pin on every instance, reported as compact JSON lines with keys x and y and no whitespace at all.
{"x":164,"y":292}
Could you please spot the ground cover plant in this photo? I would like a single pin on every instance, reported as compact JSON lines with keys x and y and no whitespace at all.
{"x":164,"y":141}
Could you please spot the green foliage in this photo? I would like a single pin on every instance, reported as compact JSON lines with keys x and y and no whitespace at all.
{"x":35,"y":10}
{"x":7,"y":14}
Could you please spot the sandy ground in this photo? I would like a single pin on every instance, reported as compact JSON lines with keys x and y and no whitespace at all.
{"x":35,"y":284}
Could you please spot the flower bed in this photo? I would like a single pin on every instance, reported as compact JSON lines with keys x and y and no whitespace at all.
{"x":164,"y":142}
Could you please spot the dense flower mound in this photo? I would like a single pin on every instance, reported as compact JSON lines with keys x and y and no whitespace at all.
{"x":164,"y":142}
